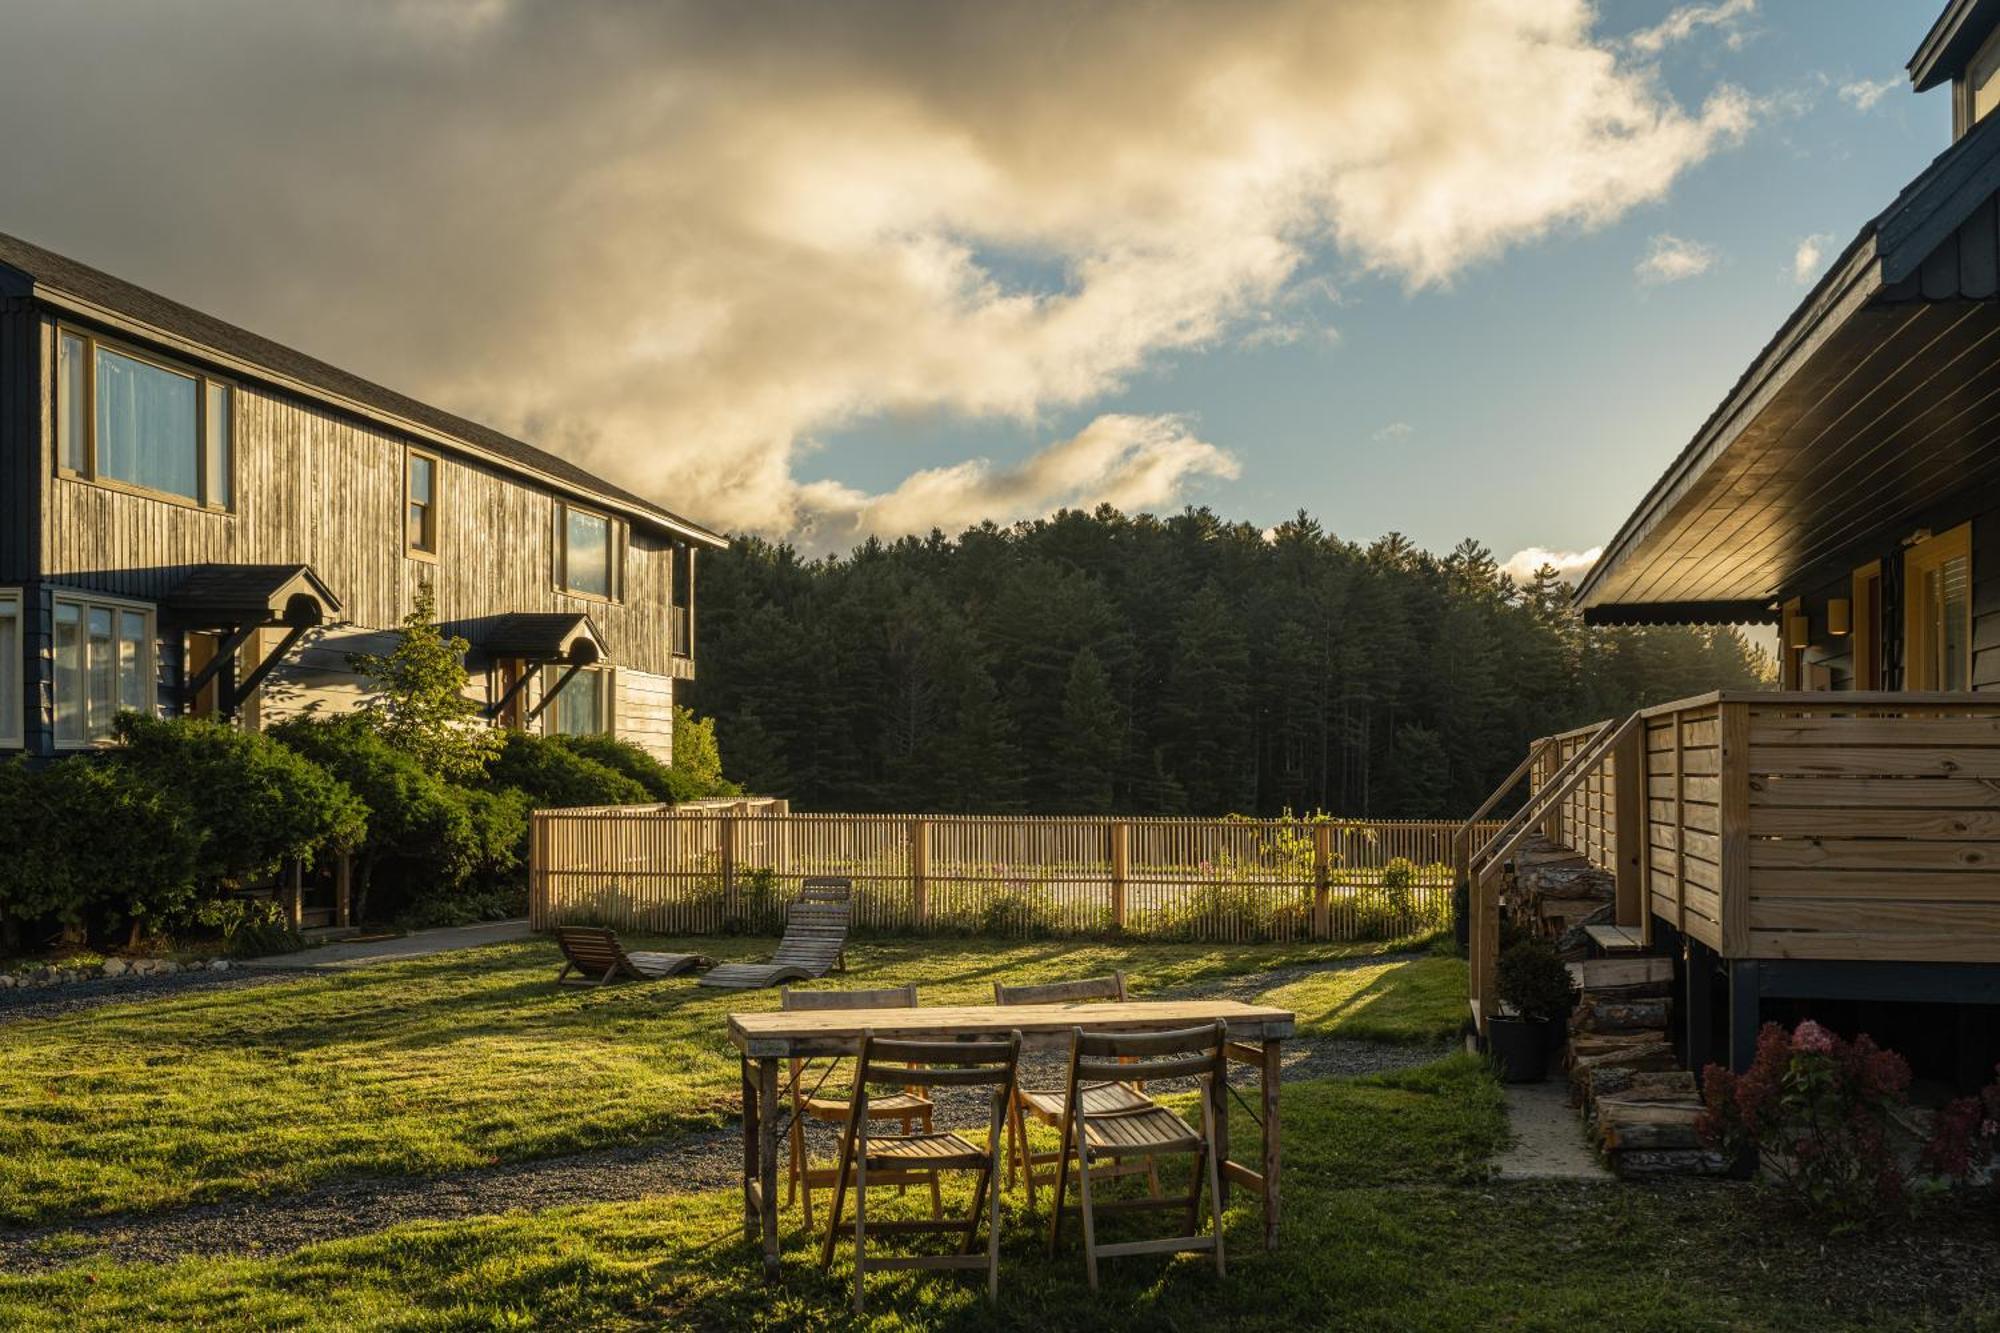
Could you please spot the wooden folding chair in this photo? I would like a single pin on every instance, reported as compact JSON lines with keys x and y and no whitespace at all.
{"x":909,"y":1106}
{"x":595,"y":955}
{"x":1150,"y":1131}
{"x":1045,"y":1105}
{"x":909,"y":1158}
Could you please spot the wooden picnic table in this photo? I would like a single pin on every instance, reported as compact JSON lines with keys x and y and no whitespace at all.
{"x":768,"y":1040}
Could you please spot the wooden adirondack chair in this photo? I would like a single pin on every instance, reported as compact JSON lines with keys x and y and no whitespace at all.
{"x":596,"y":956}
{"x":815,"y":941}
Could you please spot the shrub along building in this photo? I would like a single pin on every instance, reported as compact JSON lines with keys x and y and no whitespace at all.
{"x":198,"y":520}
{"x":1835,"y":845}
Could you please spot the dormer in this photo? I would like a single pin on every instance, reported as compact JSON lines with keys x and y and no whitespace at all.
{"x":1963,"y":49}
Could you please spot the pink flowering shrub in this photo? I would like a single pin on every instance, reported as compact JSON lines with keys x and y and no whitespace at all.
{"x":1815,"y":1110}
{"x":1966,"y":1135}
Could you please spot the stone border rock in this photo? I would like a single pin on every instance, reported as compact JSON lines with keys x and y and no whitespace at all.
{"x":56,"y":974}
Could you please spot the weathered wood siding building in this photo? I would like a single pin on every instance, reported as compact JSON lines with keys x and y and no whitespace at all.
{"x":194,"y":518}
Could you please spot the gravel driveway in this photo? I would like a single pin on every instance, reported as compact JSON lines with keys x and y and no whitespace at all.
{"x":706,"y":1159}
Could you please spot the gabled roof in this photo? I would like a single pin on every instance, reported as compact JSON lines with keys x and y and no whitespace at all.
{"x":1863,"y":302}
{"x":253,"y":594}
{"x":545,"y":636}
{"x":94,"y":294}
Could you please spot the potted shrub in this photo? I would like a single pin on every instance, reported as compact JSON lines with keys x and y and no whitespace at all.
{"x":1536,"y":994}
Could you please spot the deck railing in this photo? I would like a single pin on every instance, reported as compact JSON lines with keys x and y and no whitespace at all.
{"x":1845,"y":826}
{"x":681,"y":871}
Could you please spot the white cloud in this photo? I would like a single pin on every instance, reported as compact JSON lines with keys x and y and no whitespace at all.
{"x":1809,"y":259}
{"x":1669,"y":258}
{"x":1682,"y":23}
{"x":1571,"y":565}
{"x":1133,"y":462}
{"x":1863,"y":94}
{"x":680,"y":242}
{"x":1396,"y":430}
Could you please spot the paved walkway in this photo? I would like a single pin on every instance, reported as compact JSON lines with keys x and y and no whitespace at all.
{"x":1548,"y":1136}
{"x":417,"y":944}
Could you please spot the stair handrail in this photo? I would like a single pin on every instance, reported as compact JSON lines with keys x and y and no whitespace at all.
{"x":1461,"y":840}
{"x":1566,"y":780}
{"x":1534,"y":808}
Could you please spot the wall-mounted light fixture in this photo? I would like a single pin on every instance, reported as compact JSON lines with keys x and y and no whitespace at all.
{"x":1798,"y":632}
{"x":1839,"y":616}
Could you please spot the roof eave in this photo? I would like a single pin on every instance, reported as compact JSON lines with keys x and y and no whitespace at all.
{"x":66,"y":301}
{"x":1847,"y":286}
{"x":1940,"y":55}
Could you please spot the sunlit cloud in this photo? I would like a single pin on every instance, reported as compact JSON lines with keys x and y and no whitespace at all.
{"x":680,"y":242}
{"x":1396,"y":430}
{"x":1864,"y":94}
{"x":1809,"y":259}
{"x":1680,"y":24}
{"x":1670,"y":258}
{"x":1569,"y":565}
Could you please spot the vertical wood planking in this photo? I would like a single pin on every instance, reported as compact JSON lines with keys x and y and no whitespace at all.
{"x":1735,"y":818}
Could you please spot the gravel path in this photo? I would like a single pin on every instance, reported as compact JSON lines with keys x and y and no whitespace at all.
{"x":19,"y":1004}
{"x":706,"y":1159}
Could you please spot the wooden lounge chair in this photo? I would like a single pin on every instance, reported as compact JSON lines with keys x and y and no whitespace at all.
{"x":911,"y":1106}
{"x":1148,"y":1132}
{"x":870,"y":1160}
{"x":596,"y":956}
{"x":815,"y":941}
{"x":1045,"y":1105}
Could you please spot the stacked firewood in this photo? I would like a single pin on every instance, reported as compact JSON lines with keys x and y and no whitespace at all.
{"x":1560,"y":891}
{"x":1640,"y":1108}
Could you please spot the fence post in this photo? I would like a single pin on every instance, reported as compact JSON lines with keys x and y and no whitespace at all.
{"x":1121,"y":866}
{"x":920,"y":870}
{"x":295,"y":894}
{"x":728,"y":852}
{"x":1322,"y":879}
{"x":781,"y":827}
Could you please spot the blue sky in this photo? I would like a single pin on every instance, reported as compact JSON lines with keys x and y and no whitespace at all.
{"x":1544,"y":390}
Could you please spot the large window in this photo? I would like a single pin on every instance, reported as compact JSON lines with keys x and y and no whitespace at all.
{"x":131,"y":420}
{"x":12,"y":724}
{"x":589,"y":552}
{"x":584,"y":706}
{"x":103,"y":666}
{"x":1937,"y":615}
{"x":421,"y":522}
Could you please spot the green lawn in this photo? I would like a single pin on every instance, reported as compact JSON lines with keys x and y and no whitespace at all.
{"x":1387,"y":1225}
{"x":434,"y":1065}
{"x":1393,"y":1001}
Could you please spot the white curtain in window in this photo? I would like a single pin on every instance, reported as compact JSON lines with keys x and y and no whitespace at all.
{"x":10,"y":669}
{"x":69,"y":672}
{"x":146,"y":425}
{"x":587,"y":554}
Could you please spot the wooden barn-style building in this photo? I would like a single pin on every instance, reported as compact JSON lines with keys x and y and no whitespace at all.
{"x":1833,"y":847}
{"x":198,"y":520}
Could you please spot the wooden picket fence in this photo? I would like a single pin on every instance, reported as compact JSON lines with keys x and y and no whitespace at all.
{"x":732,"y":869}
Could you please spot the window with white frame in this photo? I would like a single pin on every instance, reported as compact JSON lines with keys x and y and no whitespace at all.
{"x":103,"y":666}
{"x":12,"y":723}
{"x":584,"y":706}
{"x":590,"y":552}
{"x":131,"y":419}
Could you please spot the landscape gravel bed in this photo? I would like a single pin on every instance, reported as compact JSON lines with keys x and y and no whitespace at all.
{"x":704,"y":1159}
{"x":21,"y":1003}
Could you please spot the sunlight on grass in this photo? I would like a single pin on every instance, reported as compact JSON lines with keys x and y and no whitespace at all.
{"x":1408,"y":1000}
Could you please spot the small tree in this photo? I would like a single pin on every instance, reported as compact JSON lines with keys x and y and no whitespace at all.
{"x":420,"y":705}
{"x":697,"y":766}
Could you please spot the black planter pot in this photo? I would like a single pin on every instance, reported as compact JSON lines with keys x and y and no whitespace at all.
{"x":1521,"y":1046}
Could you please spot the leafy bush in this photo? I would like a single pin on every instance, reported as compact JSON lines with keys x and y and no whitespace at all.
{"x":420,"y":704}
{"x":1966,"y":1134}
{"x":695,"y":773}
{"x":255,"y":803}
{"x":1533,"y":981}
{"x":1398,"y":878}
{"x":550,"y":773}
{"x":1816,"y":1111}
{"x":628,"y":759}
{"x":93,"y":834}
